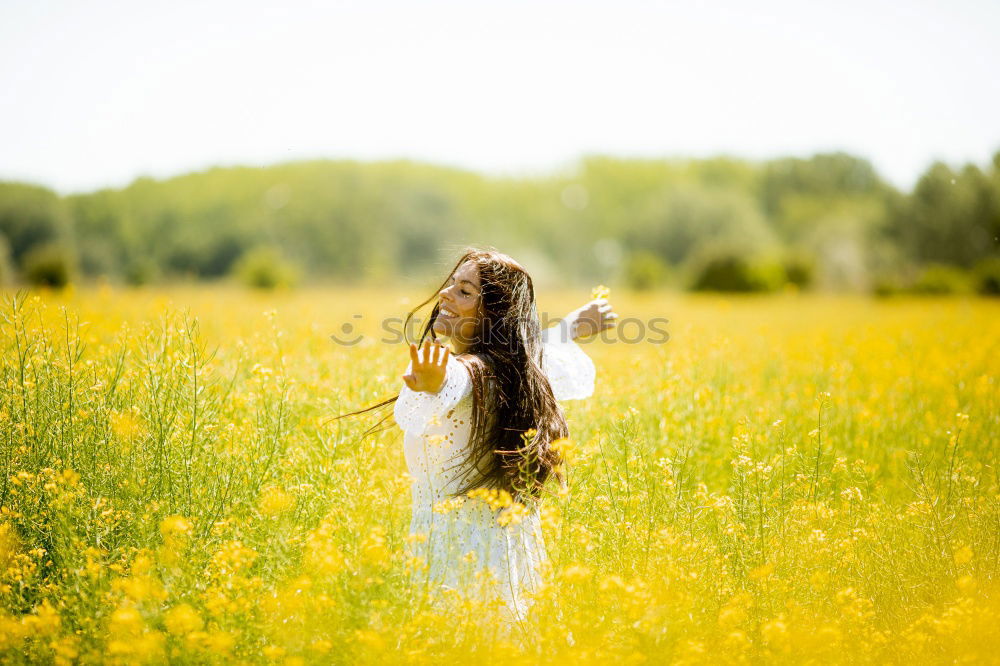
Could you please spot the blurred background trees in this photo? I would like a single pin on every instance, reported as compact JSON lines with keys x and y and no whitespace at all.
{"x":827,"y":221}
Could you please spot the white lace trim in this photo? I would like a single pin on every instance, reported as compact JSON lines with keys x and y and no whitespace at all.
{"x":415,"y":410}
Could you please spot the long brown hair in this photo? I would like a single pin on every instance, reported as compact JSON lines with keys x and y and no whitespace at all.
{"x":515,"y":416}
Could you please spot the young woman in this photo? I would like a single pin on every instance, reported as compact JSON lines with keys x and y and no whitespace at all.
{"x":480,"y":419}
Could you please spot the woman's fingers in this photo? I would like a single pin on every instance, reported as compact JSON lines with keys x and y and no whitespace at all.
{"x":439,"y":354}
{"x":429,"y":361}
{"x":429,"y":354}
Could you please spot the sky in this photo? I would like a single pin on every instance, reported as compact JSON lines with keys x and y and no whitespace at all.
{"x":95,"y":94}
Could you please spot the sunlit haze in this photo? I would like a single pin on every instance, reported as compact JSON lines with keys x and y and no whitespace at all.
{"x":98,"y":93}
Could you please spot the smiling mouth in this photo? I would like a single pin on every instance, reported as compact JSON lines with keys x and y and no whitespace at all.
{"x":446,"y":313}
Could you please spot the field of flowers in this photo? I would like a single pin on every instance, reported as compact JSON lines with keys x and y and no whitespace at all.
{"x":788,"y":479}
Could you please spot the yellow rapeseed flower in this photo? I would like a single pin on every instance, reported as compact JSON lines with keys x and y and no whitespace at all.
{"x":497,"y":499}
{"x":966,"y":584}
{"x":321,"y":553}
{"x":126,"y":426}
{"x":775,"y":633}
{"x":513,"y":514}
{"x":182,"y":619}
{"x":173,"y":527}
{"x":576,"y":573}
{"x":374,"y":550}
{"x":125,"y":623}
{"x":274,"y":501}
{"x":43,"y":621}
{"x":565,"y":448}
{"x":448,"y":505}
{"x":761,"y":572}
{"x":220,"y":642}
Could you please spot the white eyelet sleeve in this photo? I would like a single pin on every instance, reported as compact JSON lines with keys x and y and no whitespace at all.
{"x":415,"y":410}
{"x":570,"y":371}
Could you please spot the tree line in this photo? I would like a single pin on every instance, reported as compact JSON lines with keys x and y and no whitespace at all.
{"x":828,"y":221}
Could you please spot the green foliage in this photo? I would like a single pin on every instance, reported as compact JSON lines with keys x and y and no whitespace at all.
{"x":47,"y":265}
{"x":140,"y":271}
{"x":264,"y":267}
{"x":645,"y":270}
{"x":102,"y":233}
{"x":6,"y":265}
{"x":795,"y":192}
{"x":887,"y":285}
{"x":29,"y":216}
{"x":800,"y":270}
{"x":941,"y":279}
{"x":349,"y":222}
{"x":951,"y":217}
{"x":987,"y":274}
{"x":737,"y":273}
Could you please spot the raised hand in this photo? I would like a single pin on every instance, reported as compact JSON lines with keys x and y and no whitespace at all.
{"x":592,"y":318}
{"x":428,"y":371}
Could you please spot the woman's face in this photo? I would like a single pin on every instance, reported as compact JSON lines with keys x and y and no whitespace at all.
{"x":458,"y":315}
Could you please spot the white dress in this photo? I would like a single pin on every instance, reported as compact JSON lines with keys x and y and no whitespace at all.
{"x":458,"y":538}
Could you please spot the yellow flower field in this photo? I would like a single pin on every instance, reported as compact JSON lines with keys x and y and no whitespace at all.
{"x":787,"y":479}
